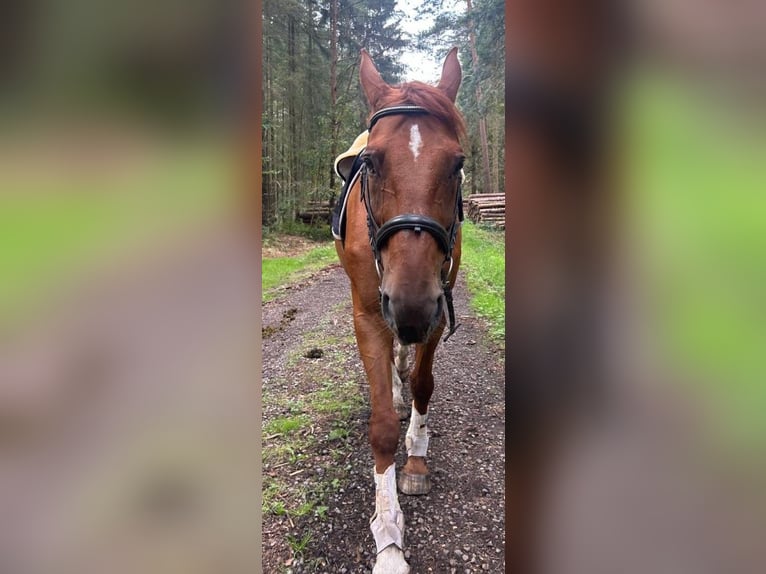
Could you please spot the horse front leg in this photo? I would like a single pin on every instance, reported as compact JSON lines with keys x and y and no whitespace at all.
{"x":414,"y":478}
{"x":398,"y":374}
{"x":387,"y":524}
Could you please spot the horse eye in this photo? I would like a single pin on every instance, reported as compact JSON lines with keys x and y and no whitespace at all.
{"x":368,"y":164}
{"x":459,"y":166}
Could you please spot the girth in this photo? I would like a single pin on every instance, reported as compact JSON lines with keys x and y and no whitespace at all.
{"x":379,"y":235}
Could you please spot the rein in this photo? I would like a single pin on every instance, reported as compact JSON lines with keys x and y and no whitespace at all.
{"x":411,"y":221}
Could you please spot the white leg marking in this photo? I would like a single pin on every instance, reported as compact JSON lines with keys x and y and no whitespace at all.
{"x":415,"y":142}
{"x":396,"y":391}
{"x":400,"y":359}
{"x":387,"y":525}
{"x":416,"y":438}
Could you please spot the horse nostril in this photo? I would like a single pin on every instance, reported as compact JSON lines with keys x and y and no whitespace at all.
{"x":385,"y":302}
{"x":411,"y":318}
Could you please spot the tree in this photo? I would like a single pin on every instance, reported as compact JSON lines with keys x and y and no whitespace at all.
{"x":313,"y":103}
{"x":477,"y":27}
{"x":313,"y":106}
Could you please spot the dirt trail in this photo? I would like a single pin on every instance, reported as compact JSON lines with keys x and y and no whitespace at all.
{"x":459,"y":525}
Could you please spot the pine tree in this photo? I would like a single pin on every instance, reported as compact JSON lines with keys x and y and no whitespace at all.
{"x":313,"y":103}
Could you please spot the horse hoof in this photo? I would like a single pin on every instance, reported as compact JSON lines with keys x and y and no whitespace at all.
{"x":391,"y":560}
{"x":414,"y":484}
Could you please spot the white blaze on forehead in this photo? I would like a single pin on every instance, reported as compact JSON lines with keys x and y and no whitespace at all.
{"x":415,"y":141}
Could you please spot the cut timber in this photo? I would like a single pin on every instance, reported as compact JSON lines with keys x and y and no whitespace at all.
{"x":487,"y":208}
{"x":316,"y":212}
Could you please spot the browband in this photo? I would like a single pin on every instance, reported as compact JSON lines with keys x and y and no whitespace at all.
{"x":394,"y":110}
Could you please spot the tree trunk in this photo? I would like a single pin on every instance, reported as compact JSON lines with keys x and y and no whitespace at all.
{"x":483,"y":141}
{"x":294,"y":115}
{"x":333,"y":87}
{"x":267,"y":183}
{"x":292,"y":142}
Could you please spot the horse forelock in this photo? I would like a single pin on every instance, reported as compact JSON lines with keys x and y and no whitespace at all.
{"x":429,"y":97}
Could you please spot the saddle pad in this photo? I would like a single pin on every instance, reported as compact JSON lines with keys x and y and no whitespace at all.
{"x":339,"y":213}
{"x":347,"y":167}
{"x":345,"y":160}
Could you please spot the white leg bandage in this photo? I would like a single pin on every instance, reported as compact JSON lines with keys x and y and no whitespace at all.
{"x":387,"y":524}
{"x":416,"y":438}
{"x":391,"y":560}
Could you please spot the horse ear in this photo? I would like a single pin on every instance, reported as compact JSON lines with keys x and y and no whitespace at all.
{"x":373,"y":85}
{"x":451,"y":75}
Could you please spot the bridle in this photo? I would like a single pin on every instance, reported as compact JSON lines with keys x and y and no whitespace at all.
{"x":445,"y":238}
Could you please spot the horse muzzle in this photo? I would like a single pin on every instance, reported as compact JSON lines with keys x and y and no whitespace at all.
{"x":413,"y":317}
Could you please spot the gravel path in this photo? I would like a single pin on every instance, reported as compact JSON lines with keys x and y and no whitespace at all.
{"x":459,"y":525}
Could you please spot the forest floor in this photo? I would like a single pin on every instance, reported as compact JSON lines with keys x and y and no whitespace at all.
{"x":317,"y":463}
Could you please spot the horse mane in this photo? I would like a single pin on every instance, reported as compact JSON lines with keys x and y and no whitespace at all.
{"x":429,"y":97}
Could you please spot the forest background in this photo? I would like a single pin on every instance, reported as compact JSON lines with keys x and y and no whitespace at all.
{"x":313,"y":103}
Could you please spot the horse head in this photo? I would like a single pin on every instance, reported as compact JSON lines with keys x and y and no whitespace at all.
{"x":413,"y":170}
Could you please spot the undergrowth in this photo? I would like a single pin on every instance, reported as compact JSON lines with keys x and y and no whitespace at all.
{"x":483,"y":262}
{"x":319,"y":232}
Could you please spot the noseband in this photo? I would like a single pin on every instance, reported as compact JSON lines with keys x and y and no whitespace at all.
{"x":412,"y":221}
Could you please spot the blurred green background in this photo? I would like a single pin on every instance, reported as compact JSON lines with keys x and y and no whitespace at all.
{"x":55,"y":228}
{"x":697,"y":214}
{"x":116,"y":134}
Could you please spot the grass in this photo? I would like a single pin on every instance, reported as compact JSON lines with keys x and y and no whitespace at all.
{"x":327,"y":401}
{"x":271,"y":503}
{"x":279,"y":271}
{"x":313,"y":433}
{"x":698,"y":208}
{"x":298,"y":545}
{"x":483,"y":262}
{"x":286,"y":425}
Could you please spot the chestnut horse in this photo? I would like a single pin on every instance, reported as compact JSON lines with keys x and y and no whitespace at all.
{"x":401,"y":252}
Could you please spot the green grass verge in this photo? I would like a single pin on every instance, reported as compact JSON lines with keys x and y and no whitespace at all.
{"x":483,"y":262}
{"x":279,"y":271}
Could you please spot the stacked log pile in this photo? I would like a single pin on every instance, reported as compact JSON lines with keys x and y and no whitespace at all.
{"x":316,"y":212}
{"x":487,"y":208}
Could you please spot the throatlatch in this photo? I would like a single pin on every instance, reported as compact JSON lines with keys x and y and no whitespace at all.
{"x":414,"y":222}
